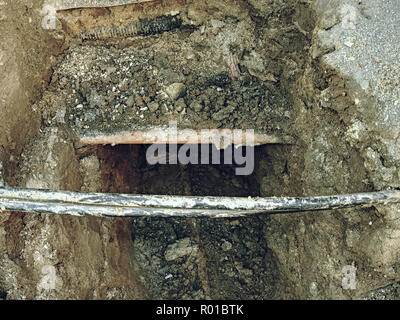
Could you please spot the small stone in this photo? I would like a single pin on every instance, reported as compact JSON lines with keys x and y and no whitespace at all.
{"x":124,"y":85}
{"x":130,"y":102}
{"x":60,"y":115}
{"x":223,"y":114}
{"x":136,"y":68}
{"x":180,"y":105}
{"x":95,"y":100}
{"x":176,"y":90}
{"x":139,"y":101}
{"x":110,"y":70}
{"x":153,"y":106}
{"x":348,"y":44}
{"x":196,"y":106}
{"x":180,"y":249}
{"x":364,"y":84}
{"x":226,"y":246}
{"x":217,"y":24}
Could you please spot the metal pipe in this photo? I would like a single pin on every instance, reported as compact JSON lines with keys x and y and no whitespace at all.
{"x":76,"y":4}
{"x":118,"y":205}
{"x":219,"y":137}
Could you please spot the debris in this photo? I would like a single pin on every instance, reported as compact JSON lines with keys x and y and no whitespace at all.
{"x":233,"y":66}
{"x":176,"y":90}
{"x":75,"y":4}
{"x":180,"y":249}
{"x":180,"y":105}
{"x":153,"y":106}
{"x":196,"y":106}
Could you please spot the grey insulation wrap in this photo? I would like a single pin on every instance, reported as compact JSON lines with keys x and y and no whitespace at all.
{"x":118,"y":205}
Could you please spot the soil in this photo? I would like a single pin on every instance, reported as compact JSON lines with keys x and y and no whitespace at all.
{"x":121,"y":84}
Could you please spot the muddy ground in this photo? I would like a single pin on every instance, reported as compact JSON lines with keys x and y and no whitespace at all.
{"x":220,"y":64}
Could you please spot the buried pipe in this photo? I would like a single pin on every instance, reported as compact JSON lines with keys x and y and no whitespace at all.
{"x":221,"y":138}
{"x":76,"y":4}
{"x":118,"y":205}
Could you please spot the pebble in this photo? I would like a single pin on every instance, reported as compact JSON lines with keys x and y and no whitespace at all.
{"x":226,"y":246}
{"x":196,"y":106}
{"x":153,"y":106}
{"x":130,"y":102}
{"x":348,"y":44}
{"x":60,"y":115}
{"x":139,"y":101}
{"x":176,"y":90}
{"x":180,"y":105}
{"x":216,"y":24}
{"x":179,"y":249}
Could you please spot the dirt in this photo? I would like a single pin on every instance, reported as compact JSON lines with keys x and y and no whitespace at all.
{"x":26,"y":66}
{"x":241,"y":64}
{"x":125,"y":85}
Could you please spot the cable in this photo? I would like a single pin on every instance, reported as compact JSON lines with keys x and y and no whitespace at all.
{"x":118,"y":205}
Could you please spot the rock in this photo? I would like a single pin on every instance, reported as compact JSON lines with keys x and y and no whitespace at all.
{"x":111,"y":70}
{"x":180,"y":105}
{"x":96,"y":100}
{"x":180,"y":248}
{"x":130,"y":102}
{"x":217,"y":24}
{"x":171,"y":76}
{"x":223,"y":114}
{"x":226,"y":246}
{"x":60,"y":115}
{"x":176,"y":90}
{"x":139,"y":101}
{"x":153,"y":106}
{"x":196,"y":106}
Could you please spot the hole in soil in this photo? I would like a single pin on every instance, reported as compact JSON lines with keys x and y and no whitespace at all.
{"x":125,"y":169}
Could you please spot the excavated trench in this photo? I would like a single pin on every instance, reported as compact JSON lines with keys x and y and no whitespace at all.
{"x":203,"y":65}
{"x":215,"y":66}
{"x":136,"y":67}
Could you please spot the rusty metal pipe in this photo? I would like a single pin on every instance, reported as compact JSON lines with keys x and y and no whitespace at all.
{"x":218,"y":137}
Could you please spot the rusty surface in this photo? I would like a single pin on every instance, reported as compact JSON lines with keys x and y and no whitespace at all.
{"x":75,"y":4}
{"x":221,"y":138}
